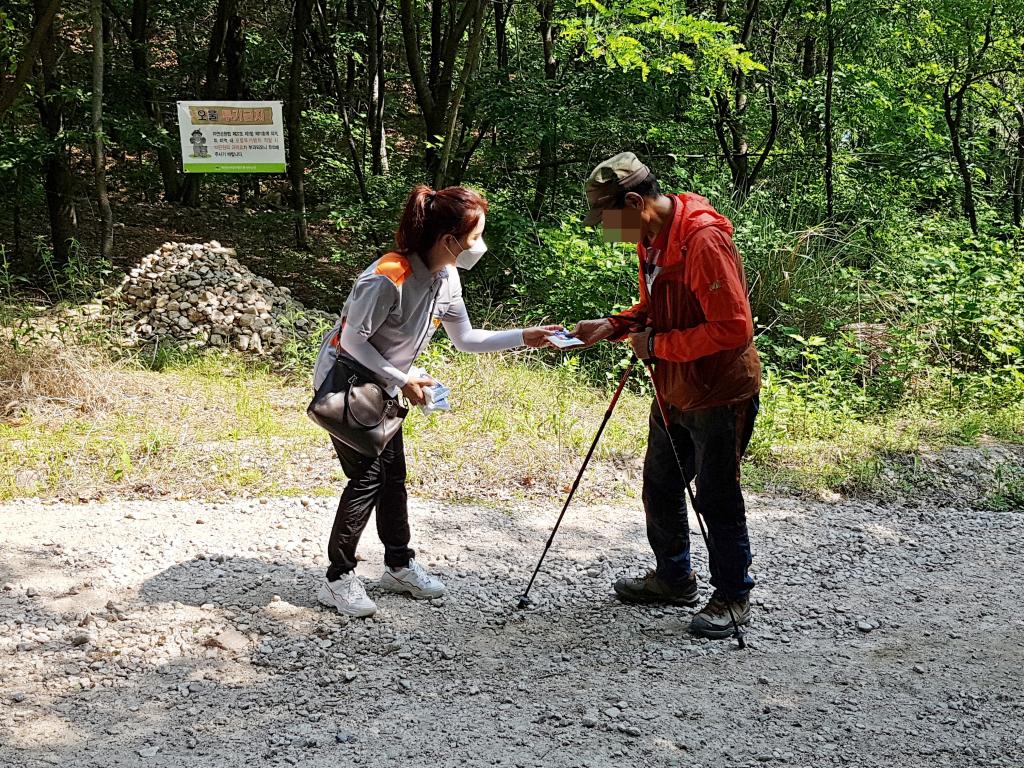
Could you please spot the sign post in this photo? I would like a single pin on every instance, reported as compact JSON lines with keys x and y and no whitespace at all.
{"x":231,"y":136}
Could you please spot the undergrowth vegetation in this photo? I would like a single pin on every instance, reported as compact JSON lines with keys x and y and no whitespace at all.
{"x":88,"y":419}
{"x":876,"y":187}
{"x":878,"y":343}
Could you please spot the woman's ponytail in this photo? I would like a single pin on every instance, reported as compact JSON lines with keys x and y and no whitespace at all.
{"x":429,"y":215}
{"x":414,"y":218}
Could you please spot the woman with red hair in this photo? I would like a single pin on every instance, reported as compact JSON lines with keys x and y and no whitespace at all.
{"x":394,"y":308}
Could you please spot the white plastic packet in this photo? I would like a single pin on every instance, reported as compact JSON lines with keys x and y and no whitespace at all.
{"x":436,"y":395}
{"x":563,"y":340}
{"x":437,"y":398}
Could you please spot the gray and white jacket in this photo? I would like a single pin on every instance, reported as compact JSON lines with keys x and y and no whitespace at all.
{"x":391,"y":314}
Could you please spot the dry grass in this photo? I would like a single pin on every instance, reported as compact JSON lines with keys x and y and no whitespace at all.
{"x":73,"y":424}
{"x":76,"y":425}
{"x":48,"y":381}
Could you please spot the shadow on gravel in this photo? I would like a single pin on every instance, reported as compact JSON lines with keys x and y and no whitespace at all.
{"x":233,"y":581}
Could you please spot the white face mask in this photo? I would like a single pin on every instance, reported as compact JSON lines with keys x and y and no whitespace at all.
{"x":468,"y":258}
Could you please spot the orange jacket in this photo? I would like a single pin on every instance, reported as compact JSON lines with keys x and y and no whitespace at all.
{"x":693,"y":294}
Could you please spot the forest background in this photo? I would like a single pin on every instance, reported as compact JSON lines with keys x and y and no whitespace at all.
{"x":870,"y":155}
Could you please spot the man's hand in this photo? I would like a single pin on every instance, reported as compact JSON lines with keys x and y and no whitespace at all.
{"x":537,"y":337}
{"x":641,"y":342}
{"x":592,"y":331}
{"x":413,"y":389}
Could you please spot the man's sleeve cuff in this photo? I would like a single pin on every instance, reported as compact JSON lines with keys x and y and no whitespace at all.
{"x":616,"y":320}
{"x":620,"y":327}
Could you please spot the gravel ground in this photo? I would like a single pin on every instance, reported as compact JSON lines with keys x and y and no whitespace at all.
{"x":187,"y":634}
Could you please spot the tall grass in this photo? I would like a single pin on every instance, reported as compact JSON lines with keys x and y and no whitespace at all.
{"x":211,"y":424}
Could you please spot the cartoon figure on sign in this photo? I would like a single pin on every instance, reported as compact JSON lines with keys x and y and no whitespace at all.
{"x":198,"y":142}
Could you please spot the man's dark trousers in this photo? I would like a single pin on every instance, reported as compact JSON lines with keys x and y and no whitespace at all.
{"x":711,"y":443}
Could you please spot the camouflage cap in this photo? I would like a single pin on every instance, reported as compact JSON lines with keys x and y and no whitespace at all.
{"x":616,"y":174}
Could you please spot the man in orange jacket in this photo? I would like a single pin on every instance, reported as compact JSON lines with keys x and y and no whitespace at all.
{"x":694,"y":321}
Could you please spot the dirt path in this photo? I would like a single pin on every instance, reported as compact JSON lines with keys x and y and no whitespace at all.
{"x":186,"y":634}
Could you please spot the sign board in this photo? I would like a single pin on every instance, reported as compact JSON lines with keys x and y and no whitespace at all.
{"x":231,"y":136}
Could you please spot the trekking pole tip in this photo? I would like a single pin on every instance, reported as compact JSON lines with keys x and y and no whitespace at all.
{"x":524,"y":603}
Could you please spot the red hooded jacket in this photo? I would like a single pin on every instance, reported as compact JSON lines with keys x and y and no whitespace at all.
{"x":693,"y":293}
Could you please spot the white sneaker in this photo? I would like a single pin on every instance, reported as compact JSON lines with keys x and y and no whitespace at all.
{"x":413,"y":579}
{"x":348,"y":596}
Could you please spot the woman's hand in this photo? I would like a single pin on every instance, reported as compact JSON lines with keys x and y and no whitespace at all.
{"x":592,"y":331}
{"x":413,"y":389}
{"x":537,"y":337}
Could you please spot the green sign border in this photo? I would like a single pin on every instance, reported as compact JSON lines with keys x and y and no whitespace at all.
{"x":234,"y":167}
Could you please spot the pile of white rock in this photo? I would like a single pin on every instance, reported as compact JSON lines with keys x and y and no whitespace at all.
{"x":200,"y":295}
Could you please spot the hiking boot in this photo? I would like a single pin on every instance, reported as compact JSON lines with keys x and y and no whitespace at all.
{"x":413,"y":580}
{"x":653,"y":589}
{"x":714,"y":620}
{"x":347,"y":596}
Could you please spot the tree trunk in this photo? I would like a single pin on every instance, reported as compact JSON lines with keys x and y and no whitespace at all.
{"x":216,"y":51}
{"x":423,"y":81}
{"x":547,"y":173}
{"x":98,"y":154}
{"x":741,"y":182}
{"x":548,"y":34}
{"x":468,"y":154}
{"x":809,"y":50}
{"x":433,"y":87}
{"x":953,"y":110}
{"x":108,"y":29}
{"x":238,"y":90}
{"x":58,"y":183}
{"x":350,"y":59}
{"x":436,"y":43}
{"x":375,"y":80}
{"x":211,"y":85}
{"x":42,"y":22}
{"x":296,"y":166}
{"x":234,"y":59}
{"x":1017,"y":191}
{"x":830,"y":65}
{"x":732,"y":117}
{"x":502,"y":10}
{"x":166,"y":157}
{"x":469,"y":63}
{"x":190,"y":190}
{"x":324,"y":61}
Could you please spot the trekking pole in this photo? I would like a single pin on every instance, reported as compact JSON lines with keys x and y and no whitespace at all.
{"x":524,"y":600}
{"x":740,"y":640}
